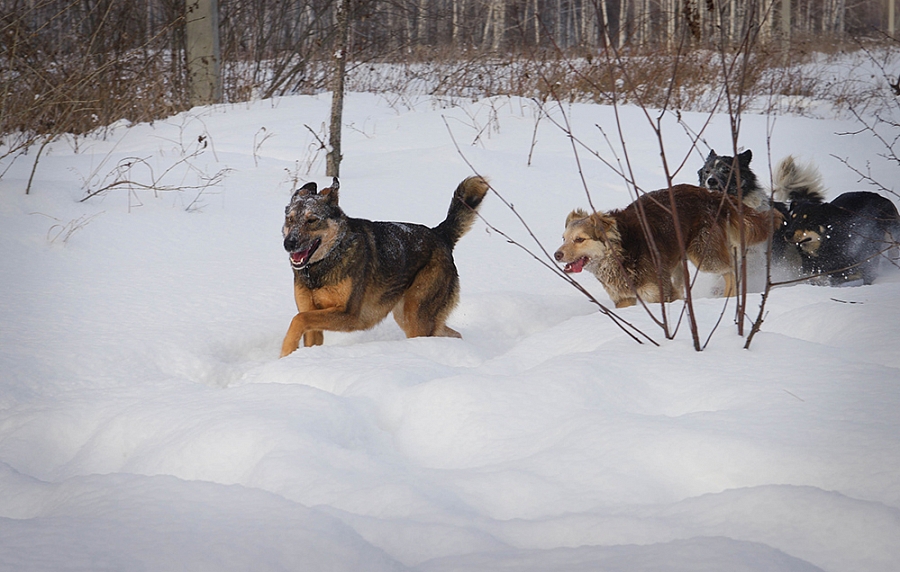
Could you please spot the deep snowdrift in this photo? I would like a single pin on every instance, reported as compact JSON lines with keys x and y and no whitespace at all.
{"x":146,"y":422}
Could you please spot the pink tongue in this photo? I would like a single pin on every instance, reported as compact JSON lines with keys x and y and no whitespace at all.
{"x":576,"y":266}
{"x":299,"y":257}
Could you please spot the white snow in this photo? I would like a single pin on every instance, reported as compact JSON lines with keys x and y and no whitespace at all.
{"x":146,"y":422}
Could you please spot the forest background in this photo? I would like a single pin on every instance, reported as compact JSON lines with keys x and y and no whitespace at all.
{"x":73,"y":66}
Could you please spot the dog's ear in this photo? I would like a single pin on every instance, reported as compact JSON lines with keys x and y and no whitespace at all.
{"x":712,"y":155}
{"x":745,"y":157}
{"x":577,"y":214}
{"x":600,"y":226}
{"x":307,"y":189}
{"x":332,"y":192}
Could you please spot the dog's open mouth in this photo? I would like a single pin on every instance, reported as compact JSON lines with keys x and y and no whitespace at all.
{"x":300,"y":258}
{"x":576,"y":265}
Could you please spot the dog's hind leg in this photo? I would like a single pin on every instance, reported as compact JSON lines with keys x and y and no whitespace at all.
{"x":414,"y":328}
{"x":428,"y":301}
{"x":677,"y":283}
{"x":730,"y":284}
{"x":446,"y":331}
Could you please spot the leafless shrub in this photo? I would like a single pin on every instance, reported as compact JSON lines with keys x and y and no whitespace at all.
{"x":62,"y":232}
{"x":138,"y":175}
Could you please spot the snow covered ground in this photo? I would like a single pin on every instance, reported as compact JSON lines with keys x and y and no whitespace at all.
{"x":146,"y":422}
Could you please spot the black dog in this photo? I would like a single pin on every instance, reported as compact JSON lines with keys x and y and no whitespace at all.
{"x":844,"y":239}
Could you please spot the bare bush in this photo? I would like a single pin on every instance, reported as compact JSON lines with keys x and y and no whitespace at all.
{"x":139,"y":175}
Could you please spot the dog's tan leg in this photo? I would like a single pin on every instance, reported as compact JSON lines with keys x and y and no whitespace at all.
{"x":400,"y":315}
{"x":730,"y":289}
{"x":625,"y":302}
{"x":677,"y":283}
{"x":441,"y":329}
{"x":292,"y":338}
{"x":313,"y":338}
{"x":303,"y":299}
{"x":447,"y":332}
{"x":334,"y":319}
{"x":430,"y":299}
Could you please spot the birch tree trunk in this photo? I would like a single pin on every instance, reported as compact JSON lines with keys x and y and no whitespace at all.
{"x":558,"y":25}
{"x":488,"y":22}
{"x":785,"y":21}
{"x":454,"y":26}
{"x":891,"y":17}
{"x":422,"y":24}
{"x":732,"y":20}
{"x":202,"y":46}
{"x":765,"y":20}
{"x":603,"y":24}
{"x":623,"y":23}
{"x":670,"y":17}
{"x":333,"y":158}
{"x":499,"y":24}
{"x":587,"y":23}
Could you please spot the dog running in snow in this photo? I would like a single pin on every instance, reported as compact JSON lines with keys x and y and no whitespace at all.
{"x":791,"y":182}
{"x":349,"y":273}
{"x":718,"y":174}
{"x":616,"y":249}
{"x":844,"y":239}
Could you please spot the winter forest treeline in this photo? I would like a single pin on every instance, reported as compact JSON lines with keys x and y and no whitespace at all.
{"x":75,"y":65}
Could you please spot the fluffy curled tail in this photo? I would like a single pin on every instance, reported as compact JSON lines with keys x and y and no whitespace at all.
{"x":793,"y":182}
{"x":463,"y":206}
{"x":758,"y":225}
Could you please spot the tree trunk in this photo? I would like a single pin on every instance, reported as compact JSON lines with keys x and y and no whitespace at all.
{"x":499,"y":26}
{"x":488,"y":21}
{"x":203,"y":56}
{"x":454,"y":27}
{"x":670,"y":17}
{"x":422,"y":24}
{"x":558,"y":24}
{"x":603,"y":24}
{"x":623,"y":23}
{"x":785,"y":21}
{"x":333,"y":158}
{"x":891,"y":20}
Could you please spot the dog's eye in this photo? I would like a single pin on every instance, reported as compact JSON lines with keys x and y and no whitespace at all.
{"x":312,"y":220}
{"x":579,"y":240}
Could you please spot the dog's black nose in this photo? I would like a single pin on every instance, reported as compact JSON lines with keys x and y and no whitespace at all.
{"x":290,"y":243}
{"x":711,"y":184}
{"x":558,"y":255}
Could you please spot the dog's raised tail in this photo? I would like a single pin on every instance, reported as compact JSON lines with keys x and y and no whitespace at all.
{"x":794,"y":182}
{"x":463,"y":207}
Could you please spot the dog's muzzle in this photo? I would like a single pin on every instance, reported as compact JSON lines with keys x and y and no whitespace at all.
{"x":572,"y":267}
{"x":300,"y":256}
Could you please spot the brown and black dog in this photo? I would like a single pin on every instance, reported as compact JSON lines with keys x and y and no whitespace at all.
{"x":844,"y":240}
{"x":349,"y":273}
{"x":616,"y":248}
